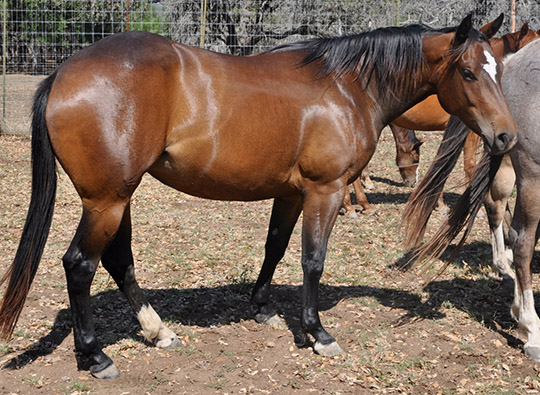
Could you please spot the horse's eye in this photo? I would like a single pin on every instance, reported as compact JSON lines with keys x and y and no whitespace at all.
{"x":469,"y":75}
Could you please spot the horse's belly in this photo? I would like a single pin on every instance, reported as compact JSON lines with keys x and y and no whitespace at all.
{"x":222,"y":181}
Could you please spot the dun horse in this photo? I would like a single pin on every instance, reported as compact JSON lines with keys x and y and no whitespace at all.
{"x":295,"y":124}
{"x":521,"y":82}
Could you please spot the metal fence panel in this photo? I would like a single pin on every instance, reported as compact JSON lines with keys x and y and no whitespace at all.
{"x":39,"y":35}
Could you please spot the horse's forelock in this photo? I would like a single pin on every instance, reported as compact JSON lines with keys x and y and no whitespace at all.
{"x":474,"y":36}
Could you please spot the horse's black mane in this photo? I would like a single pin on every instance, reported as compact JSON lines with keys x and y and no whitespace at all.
{"x":385,"y":53}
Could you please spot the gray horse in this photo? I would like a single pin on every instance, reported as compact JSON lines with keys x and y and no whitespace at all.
{"x":521,"y":85}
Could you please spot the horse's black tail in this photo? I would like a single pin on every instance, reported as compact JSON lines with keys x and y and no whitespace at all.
{"x":462,"y":214}
{"x":424,"y":197}
{"x":38,"y":221}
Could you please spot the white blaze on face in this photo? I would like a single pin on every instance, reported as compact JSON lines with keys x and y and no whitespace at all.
{"x":491,"y":66}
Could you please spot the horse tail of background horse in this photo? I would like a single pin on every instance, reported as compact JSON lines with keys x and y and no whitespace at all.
{"x":424,"y":198}
{"x":21,"y":273}
{"x":462,"y":214}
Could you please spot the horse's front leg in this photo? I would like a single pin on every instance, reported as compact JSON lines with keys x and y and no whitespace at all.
{"x":361,"y":197}
{"x":320,"y":212}
{"x":523,"y":237}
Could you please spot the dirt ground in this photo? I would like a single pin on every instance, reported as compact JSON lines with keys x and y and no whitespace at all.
{"x":197,"y":260}
{"x":19,"y":90}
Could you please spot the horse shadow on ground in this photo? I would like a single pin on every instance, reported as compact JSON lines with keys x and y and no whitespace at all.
{"x":398,"y":198}
{"x":387,"y":181}
{"x":476,"y":255}
{"x":483,"y":300}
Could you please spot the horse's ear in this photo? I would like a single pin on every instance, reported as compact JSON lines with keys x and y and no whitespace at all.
{"x":463,"y":30}
{"x":523,"y":30}
{"x":492,"y":27}
{"x":418,"y":143}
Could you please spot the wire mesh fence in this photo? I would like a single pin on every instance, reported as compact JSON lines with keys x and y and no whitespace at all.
{"x":39,"y":35}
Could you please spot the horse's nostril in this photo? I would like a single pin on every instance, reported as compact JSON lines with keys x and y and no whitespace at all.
{"x":502,"y":141}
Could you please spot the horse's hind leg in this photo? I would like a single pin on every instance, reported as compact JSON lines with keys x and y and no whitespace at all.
{"x":99,"y":225}
{"x":285,"y":213}
{"x":118,"y":260}
{"x":496,"y":203}
{"x":523,"y":236}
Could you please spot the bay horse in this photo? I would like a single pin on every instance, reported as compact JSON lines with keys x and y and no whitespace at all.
{"x":521,"y":87}
{"x":296,"y":124}
{"x":407,"y":161}
{"x":429,"y":115}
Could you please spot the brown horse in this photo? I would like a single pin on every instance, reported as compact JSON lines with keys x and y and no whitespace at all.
{"x":521,"y":82}
{"x":295,"y":124}
{"x":407,"y":160}
{"x":429,"y":115}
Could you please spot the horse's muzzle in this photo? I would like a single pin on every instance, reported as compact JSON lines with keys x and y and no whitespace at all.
{"x":502,"y":143}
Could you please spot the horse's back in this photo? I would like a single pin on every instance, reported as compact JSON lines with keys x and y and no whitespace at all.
{"x":521,"y":86}
{"x":199,"y":121}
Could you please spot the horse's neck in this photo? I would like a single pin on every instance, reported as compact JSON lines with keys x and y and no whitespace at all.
{"x":434,"y":48}
{"x":398,"y":104}
{"x":503,"y":46}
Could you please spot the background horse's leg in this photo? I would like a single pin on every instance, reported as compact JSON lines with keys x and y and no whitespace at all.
{"x":470,"y":151}
{"x":361,"y":197}
{"x":99,"y":224}
{"x":523,"y":237}
{"x":320,"y":212}
{"x":285,"y":213}
{"x":118,"y":260}
{"x":350,"y":211}
{"x":496,"y":203}
{"x":441,"y":205}
{"x":366,"y":180}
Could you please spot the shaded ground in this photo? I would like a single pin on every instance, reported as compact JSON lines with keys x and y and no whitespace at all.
{"x":197,"y":260}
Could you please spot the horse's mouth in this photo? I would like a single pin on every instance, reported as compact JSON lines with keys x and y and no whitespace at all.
{"x":501,"y":144}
